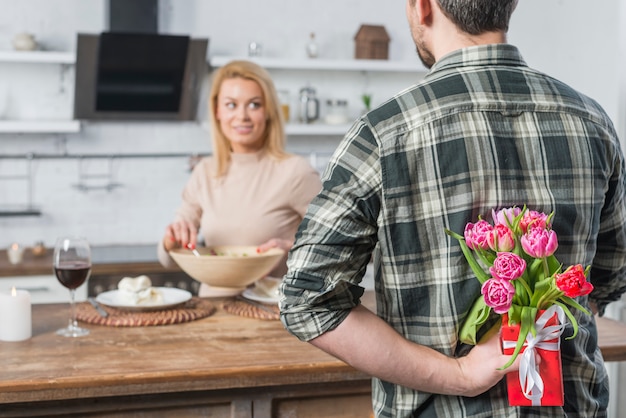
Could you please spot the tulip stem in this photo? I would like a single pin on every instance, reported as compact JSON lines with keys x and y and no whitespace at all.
{"x":526,"y":287}
{"x":546,"y":268}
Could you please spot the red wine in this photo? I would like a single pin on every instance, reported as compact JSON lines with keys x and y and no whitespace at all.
{"x":72,"y":275}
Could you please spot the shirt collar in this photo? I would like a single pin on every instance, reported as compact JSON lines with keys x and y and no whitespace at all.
{"x":492,"y":54}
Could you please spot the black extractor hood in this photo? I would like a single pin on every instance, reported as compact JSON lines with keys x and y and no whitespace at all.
{"x":138,"y":75}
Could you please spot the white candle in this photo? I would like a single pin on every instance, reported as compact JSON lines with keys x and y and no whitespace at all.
{"x":15,"y":315}
{"x":15,"y":252}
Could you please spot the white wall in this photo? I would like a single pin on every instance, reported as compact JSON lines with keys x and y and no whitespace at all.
{"x":555,"y":36}
{"x":561,"y":38}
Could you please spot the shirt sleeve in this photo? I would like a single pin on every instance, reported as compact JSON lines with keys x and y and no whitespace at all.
{"x":334,"y":242}
{"x":608,"y":272}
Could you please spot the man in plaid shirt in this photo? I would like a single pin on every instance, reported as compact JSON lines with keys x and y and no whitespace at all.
{"x":482,"y":131}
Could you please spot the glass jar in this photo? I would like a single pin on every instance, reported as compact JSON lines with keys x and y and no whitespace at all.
{"x":309,"y":109}
{"x":283,"y":99}
{"x":336,"y":112}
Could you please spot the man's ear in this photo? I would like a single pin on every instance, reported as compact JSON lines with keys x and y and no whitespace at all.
{"x":423,"y":8}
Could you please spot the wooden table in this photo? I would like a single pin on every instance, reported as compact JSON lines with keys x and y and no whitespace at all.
{"x":612,"y":339}
{"x":220,"y":366}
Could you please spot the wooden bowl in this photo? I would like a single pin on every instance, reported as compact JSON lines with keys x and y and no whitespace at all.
{"x":227,"y":266}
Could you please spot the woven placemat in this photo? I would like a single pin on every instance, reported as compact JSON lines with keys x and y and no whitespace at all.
{"x":243,"y":308}
{"x":195,"y":308}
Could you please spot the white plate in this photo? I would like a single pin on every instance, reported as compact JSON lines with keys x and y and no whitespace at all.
{"x":252,"y":294}
{"x":172,"y":297}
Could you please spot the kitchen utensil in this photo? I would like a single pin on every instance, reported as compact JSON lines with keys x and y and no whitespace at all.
{"x":309,"y":110}
{"x":193,"y":250}
{"x":98,"y":308}
{"x":231,"y":268}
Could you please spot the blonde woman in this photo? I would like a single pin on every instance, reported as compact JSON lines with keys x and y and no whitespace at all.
{"x":250,"y":191}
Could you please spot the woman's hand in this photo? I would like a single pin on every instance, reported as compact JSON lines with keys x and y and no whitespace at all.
{"x":283,"y":244}
{"x":180,"y":234}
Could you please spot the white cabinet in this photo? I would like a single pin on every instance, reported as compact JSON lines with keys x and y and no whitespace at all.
{"x":43,"y":289}
{"x":41,"y":58}
{"x":334,"y":79}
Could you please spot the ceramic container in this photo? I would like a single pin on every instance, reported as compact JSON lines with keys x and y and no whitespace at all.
{"x":24,"y":42}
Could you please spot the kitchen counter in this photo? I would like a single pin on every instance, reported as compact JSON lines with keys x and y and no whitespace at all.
{"x":106,"y":259}
{"x":110,"y":264}
{"x":220,"y":366}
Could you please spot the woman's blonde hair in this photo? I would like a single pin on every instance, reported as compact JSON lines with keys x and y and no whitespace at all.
{"x":274,"y":141}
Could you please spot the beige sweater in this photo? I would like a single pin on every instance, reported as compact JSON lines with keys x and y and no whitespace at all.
{"x":258,"y":199}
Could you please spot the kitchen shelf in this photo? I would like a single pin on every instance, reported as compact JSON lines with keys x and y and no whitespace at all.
{"x":39,"y":126}
{"x":325,"y":64}
{"x":19,"y":211}
{"x":38,"y":57}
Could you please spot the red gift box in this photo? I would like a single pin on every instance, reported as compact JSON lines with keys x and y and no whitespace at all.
{"x":532,"y":385}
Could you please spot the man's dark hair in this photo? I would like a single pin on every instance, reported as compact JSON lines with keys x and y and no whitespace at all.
{"x":479,"y":16}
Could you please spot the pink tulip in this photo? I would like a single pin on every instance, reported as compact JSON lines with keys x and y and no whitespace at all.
{"x":533,"y":219}
{"x":539,"y":243}
{"x":498,"y":294}
{"x":501,"y":238}
{"x":505,"y":216}
{"x":507,"y":266}
{"x":477,"y":235}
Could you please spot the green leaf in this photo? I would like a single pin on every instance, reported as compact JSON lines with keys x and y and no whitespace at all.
{"x":527,"y":325}
{"x":515,"y":314}
{"x":571,"y":302}
{"x":571,"y":318}
{"x":476,"y":268}
{"x":535,"y":270}
{"x":541,"y":288}
{"x":565,"y":300}
{"x":553,"y":265}
{"x":475,"y":319}
{"x":521,"y":291}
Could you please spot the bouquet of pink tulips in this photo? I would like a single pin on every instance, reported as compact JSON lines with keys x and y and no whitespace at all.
{"x":514,"y":261}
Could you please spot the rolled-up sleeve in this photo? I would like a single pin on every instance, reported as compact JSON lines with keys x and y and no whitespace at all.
{"x":334,"y":242}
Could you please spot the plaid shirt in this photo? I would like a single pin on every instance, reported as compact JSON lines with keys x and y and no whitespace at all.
{"x":481,"y":132}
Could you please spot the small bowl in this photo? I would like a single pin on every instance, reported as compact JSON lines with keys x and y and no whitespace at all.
{"x":227,"y":266}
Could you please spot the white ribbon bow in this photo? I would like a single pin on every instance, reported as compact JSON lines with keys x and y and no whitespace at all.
{"x":529,"y":378}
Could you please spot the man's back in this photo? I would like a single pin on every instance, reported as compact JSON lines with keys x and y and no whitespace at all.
{"x":481,"y":132}
{"x":488,"y":135}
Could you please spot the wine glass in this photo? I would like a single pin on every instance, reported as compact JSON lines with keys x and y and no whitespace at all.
{"x":72,"y":266}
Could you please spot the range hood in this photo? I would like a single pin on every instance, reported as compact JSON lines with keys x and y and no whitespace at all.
{"x":134,"y":73}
